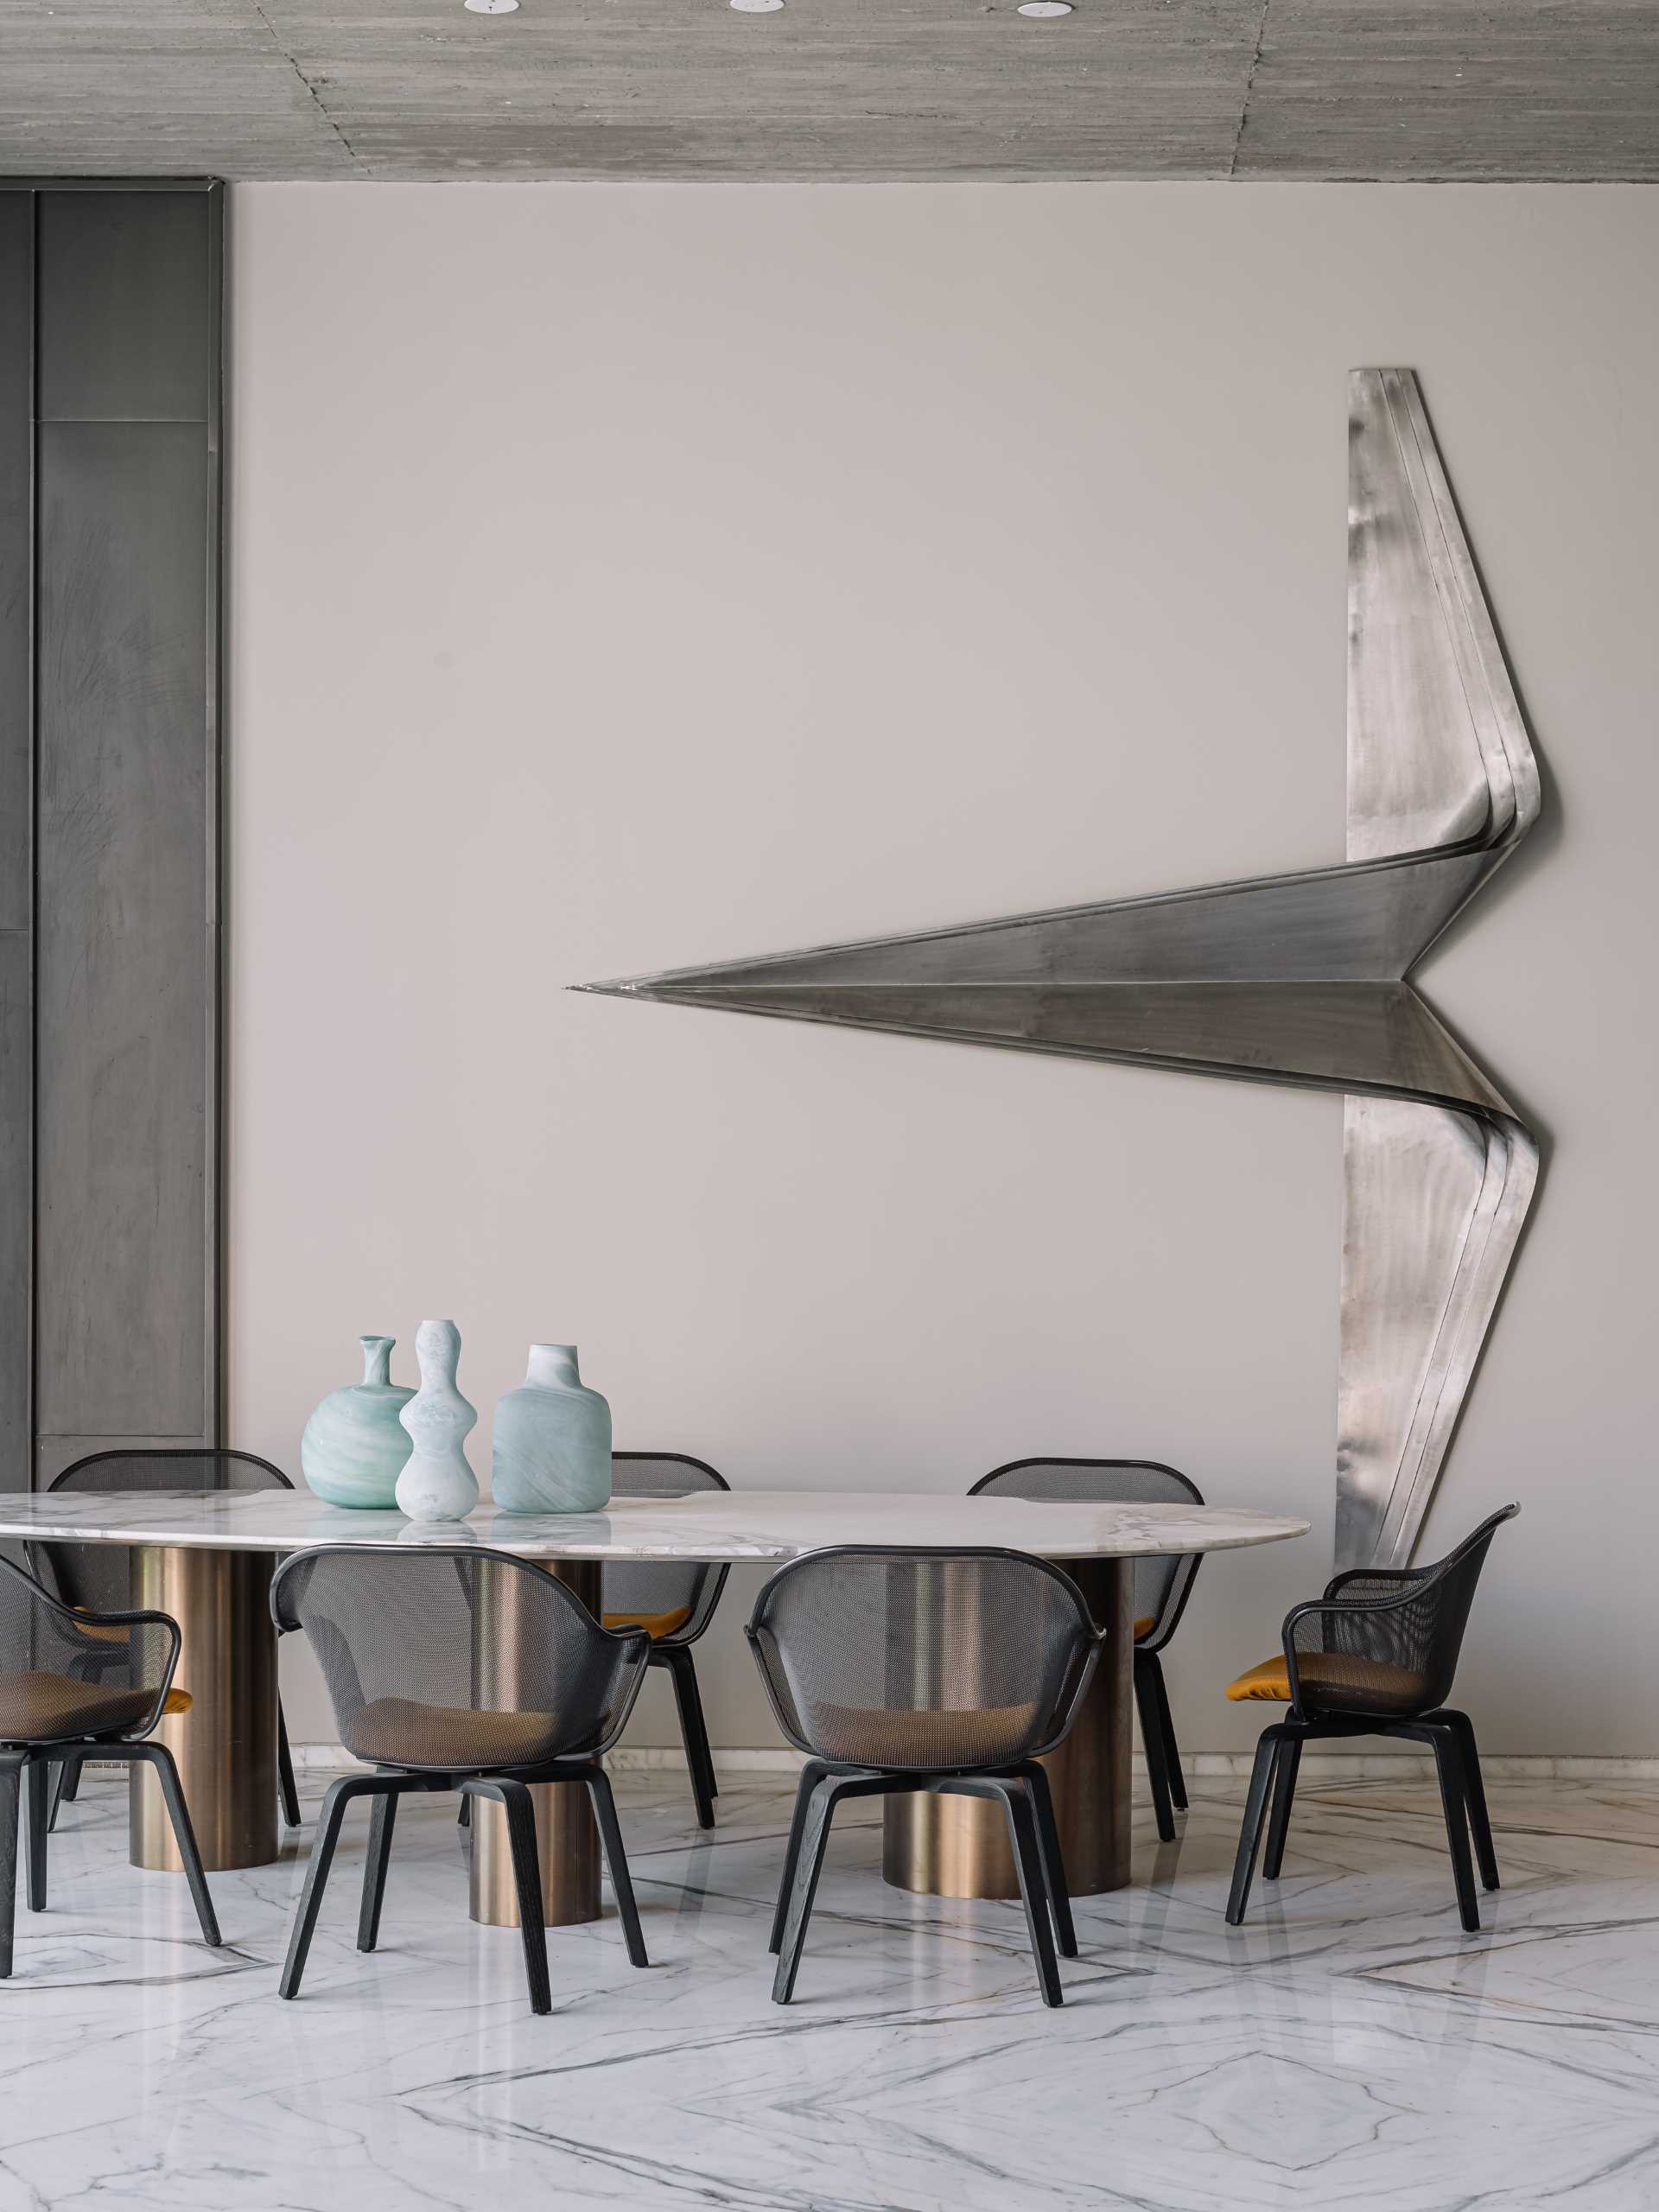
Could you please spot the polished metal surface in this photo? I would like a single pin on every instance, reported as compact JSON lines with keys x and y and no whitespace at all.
{"x":959,"y":1847}
{"x":225,"y":1746}
{"x":1300,"y":979}
{"x":565,"y":1834}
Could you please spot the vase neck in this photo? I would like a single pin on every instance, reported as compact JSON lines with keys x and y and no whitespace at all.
{"x":376,"y":1358}
{"x":554,"y":1367}
{"x":437,"y":1348}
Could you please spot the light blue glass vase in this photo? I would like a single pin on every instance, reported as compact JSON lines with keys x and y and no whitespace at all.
{"x":354,"y":1446}
{"x":551,"y":1450}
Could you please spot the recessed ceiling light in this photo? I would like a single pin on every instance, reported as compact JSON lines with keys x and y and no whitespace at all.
{"x":757,"y":6}
{"x":492,"y":7}
{"x":1031,"y":7}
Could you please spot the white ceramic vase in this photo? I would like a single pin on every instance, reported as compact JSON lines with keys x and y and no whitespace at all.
{"x":552,"y":1443}
{"x":436,"y":1484}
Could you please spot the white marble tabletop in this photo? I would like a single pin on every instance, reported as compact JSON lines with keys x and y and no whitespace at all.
{"x":707,"y":1526}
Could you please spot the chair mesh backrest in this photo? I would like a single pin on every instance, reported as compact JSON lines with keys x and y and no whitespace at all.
{"x":1160,"y":1583}
{"x":922,"y":1661}
{"x":95,"y":1576}
{"x":456,"y":1659}
{"x":639,"y":1589}
{"x":1403,"y":1657}
{"x":58,"y":1680}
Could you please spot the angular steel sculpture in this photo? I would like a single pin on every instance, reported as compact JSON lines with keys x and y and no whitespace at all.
{"x":1300,"y":979}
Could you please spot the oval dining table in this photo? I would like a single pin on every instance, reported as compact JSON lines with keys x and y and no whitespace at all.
{"x":208,"y":1559}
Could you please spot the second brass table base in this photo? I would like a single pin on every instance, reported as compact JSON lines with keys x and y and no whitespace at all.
{"x":959,"y":1847}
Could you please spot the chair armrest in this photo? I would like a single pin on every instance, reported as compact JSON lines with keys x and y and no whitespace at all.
{"x":1320,"y":1608}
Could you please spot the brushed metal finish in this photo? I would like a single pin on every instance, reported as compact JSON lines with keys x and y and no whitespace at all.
{"x":1300,"y":979}
{"x":566,"y":1837}
{"x":959,"y":1847}
{"x":125,"y":326}
{"x":127,"y":309}
{"x":16,"y":835}
{"x":226,"y":1745}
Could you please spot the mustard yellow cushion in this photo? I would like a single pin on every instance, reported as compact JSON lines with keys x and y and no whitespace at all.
{"x":653,"y":1623}
{"x":97,"y":1631}
{"x":1146,"y":1627}
{"x":1373,"y":1684}
{"x":1270,"y":1679}
{"x":177,"y":1701}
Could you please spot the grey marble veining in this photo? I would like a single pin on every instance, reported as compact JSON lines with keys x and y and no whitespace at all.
{"x":708,"y":1525}
{"x":1348,"y":2047}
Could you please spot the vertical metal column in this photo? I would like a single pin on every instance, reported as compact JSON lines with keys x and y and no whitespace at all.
{"x":959,"y":1847}
{"x":110,"y":410}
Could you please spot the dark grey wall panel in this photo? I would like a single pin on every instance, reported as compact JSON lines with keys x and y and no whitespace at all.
{"x":17,"y":358}
{"x":16,"y":1206}
{"x":127,"y":307}
{"x":125,"y":966}
{"x":17,"y":855}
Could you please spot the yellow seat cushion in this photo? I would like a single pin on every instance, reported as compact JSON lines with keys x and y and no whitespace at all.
{"x":654,"y":1624}
{"x":100,"y":1631}
{"x":177,"y":1701}
{"x":41,"y":1707}
{"x":1145,"y":1626}
{"x":1366,"y":1683}
{"x":1270,"y":1679}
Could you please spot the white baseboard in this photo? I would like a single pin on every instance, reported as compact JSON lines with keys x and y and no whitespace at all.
{"x":1202,"y":1766}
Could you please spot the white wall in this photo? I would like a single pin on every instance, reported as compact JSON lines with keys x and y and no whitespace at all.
{"x":625,"y":576}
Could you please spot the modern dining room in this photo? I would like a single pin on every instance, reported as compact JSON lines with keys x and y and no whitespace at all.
{"x":1024,"y":1583}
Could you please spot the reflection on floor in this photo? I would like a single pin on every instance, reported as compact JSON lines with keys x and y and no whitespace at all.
{"x":1349,"y":2046}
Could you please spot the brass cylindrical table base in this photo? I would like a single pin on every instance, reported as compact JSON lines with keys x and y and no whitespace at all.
{"x":959,"y":1847}
{"x":565,"y":1834}
{"x":225,"y":1746}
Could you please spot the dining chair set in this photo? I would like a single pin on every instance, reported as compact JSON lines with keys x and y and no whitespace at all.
{"x":452,"y":1668}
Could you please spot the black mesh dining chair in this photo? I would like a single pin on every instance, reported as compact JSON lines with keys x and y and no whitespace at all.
{"x":94,"y":1576}
{"x":674,"y":1601}
{"x":451,"y":1667}
{"x":98,"y":1682}
{"x":1375,"y":1656}
{"x":1162,"y":1587}
{"x":896,"y":1669}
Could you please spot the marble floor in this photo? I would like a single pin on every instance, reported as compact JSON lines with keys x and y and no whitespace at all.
{"x":1349,"y":2046}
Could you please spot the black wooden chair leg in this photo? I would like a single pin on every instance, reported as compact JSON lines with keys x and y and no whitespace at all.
{"x":1474,"y":1791}
{"x":68,"y":1787}
{"x":382,"y":1820}
{"x":288,"y":1791}
{"x":815,"y":1835}
{"x":316,"y":1875}
{"x":616,"y":1858}
{"x":40,"y":1793}
{"x":1153,"y":1746}
{"x":1172,"y":1749}
{"x":527,"y":1881}
{"x":1448,"y":1761}
{"x":698,"y":1758}
{"x":11,"y":1790}
{"x":1284,"y":1794}
{"x":464,"y":1817}
{"x":1048,"y":1838}
{"x":184,"y":1834}
{"x":1033,"y":1887}
{"x":811,"y":1774}
{"x":1250,"y":1834}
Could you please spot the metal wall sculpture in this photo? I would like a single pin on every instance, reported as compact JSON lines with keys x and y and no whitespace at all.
{"x":1300,"y":979}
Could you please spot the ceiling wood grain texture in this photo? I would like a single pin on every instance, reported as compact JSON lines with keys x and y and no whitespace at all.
{"x":856,"y":89}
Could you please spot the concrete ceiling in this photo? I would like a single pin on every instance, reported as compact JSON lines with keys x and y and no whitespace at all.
{"x":924,"y":89}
